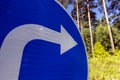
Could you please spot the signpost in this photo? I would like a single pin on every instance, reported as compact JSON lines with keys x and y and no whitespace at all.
{"x":39,"y":41}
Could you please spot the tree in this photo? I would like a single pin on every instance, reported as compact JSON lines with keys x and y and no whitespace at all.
{"x":86,"y":36}
{"x":116,"y":37}
{"x":116,"y":24}
{"x":108,"y":25}
{"x":77,"y":13}
{"x":114,"y":10}
{"x":84,"y":16}
{"x":102,"y":36}
{"x":64,"y":2}
{"x":90,"y":27}
{"x":81,"y":12}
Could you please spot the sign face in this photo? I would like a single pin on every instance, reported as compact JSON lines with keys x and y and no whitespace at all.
{"x":39,"y":41}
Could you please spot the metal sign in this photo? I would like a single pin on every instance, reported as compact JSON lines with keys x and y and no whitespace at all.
{"x":39,"y":41}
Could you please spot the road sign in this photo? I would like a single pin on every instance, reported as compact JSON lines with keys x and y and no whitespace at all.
{"x":39,"y":41}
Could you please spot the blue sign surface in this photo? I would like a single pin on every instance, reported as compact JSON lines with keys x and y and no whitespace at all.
{"x":39,"y":41}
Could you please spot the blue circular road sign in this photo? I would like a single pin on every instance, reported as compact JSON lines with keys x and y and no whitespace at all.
{"x":39,"y":41}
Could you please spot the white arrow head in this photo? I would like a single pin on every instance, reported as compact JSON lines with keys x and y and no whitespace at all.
{"x":66,"y":41}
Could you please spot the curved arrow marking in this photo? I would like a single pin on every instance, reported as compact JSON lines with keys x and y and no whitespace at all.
{"x":13,"y":46}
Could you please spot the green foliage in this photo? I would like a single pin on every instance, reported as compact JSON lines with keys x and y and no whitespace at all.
{"x":101,"y":39}
{"x":83,"y":15}
{"x":99,"y":50}
{"x":116,"y":23}
{"x":117,"y":52}
{"x":116,"y":37}
{"x":86,"y":36}
{"x":104,"y":68}
{"x":102,"y":35}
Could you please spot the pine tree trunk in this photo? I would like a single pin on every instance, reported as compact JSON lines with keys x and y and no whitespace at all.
{"x":90,"y":27}
{"x":77,"y":11}
{"x":109,"y":28}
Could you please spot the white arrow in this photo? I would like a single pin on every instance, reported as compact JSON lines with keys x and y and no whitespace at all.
{"x":13,"y":46}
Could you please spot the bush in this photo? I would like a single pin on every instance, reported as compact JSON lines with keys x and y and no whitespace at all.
{"x":117,"y":53}
{"x":99,"y":50}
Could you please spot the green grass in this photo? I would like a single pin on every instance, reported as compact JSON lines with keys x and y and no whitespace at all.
{"x":107,"y":68}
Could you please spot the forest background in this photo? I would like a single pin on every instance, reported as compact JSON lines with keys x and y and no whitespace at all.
{"x":99,"y":25}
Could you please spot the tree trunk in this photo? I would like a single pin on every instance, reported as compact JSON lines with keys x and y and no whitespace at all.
{"x":77,"y":11}
{"x":109,"y":28}
{"x":90,"y":27}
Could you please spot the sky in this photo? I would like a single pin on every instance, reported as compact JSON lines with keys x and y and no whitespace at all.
{"x":98,"y":14}
{"x":70,"y":8}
